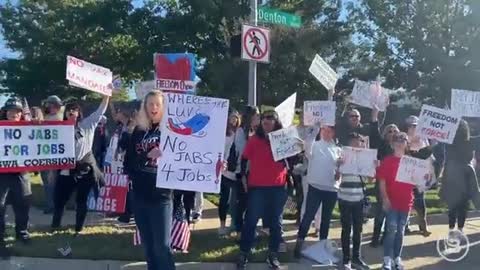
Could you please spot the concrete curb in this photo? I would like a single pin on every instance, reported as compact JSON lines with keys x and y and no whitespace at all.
{"x":26,"y":263}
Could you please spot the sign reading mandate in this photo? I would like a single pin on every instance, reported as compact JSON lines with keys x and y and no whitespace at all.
{"x":267,"y":15}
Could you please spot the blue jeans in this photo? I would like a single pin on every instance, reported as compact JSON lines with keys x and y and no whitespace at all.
{"x":266,"y":202}
{"x":49,"y":188}
{"x":315,"y":198}
{"x":154,"y":221}
{"x":395,"y":229}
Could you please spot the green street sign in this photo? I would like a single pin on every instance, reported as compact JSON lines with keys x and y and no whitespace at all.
{"x":267,"y":15}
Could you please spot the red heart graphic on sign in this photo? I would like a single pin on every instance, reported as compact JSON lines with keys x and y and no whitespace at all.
{"x":178,"y":70}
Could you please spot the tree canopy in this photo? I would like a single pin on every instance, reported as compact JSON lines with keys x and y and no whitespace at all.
{"x":424,"y":46}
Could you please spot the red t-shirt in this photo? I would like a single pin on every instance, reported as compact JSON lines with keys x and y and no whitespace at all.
{"x":264,"y":171}
{"x":399,"y":193}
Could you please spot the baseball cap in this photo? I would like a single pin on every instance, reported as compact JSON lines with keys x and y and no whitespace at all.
{"x":54,"y":100}
{"x":12,"y":104}
{"x":412,"y":120}
{"x":400,"y":137}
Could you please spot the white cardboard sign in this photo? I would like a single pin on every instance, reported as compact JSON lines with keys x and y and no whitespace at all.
{"x":286,"y":110}
{"x":193,"y":143}
{"x":359,"y":161}
{"x":368,"y":94}
{"x":466,"y":103}
{"x":413,"y":171}
{"x":89,"y":76}
{"x":438,"y":124}
{"x":285,"y":143}
{"x":322,"y":112}
{"x":323,"y":73}
{"x":142,"y":88}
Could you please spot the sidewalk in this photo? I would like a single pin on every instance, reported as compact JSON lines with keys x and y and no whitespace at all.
{"x":419,"y":252}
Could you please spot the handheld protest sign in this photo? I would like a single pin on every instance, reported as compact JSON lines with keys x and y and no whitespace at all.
{"x":413,"y":171}
{"x":359,"y":161}
{"x":36,"y":146}
{"x":437,"y":124}
{"x":285,"y":143}
{"x":370,"y":95}
{"x":89,"y":76}
{"x":286,"y":110}
{"x":193,"y":143}
{"x":319,"y":112}
{"x":466,"y":103}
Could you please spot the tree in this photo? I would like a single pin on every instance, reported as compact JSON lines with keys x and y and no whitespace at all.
{"x":425,"y":46}
{"x":45,"y":32}
{"x":116,"y":35}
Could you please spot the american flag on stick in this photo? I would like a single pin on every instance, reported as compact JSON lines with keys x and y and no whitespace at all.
{"x":180,"y":234}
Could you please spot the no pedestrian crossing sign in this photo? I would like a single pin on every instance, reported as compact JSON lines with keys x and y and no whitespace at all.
{"x":255,"y":43}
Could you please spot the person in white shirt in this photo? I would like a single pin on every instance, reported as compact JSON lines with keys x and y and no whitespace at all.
{"x":323,"y":180}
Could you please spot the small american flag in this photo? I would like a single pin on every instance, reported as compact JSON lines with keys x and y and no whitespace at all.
{"x":27,"y":114}
{"x":180,"y":236}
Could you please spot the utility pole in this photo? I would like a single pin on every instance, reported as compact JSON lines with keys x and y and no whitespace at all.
{"x":252,"y":68}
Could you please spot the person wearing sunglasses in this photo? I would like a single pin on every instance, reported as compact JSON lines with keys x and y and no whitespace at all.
{"x":267,"y":193}
{"x":397,"y":199}
{"x":353,"y":124}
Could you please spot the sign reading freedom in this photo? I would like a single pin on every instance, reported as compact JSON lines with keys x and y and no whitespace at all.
{"x":29,"y":146}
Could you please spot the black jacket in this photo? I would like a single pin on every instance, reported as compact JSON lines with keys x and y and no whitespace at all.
{"x":141,"y":170}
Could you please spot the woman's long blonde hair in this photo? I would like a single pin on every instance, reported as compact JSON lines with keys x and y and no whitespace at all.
{"x":143,"y":121}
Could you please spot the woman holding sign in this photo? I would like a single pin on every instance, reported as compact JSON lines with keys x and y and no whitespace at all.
{"x":152,"y":206}
{"x":86,"y":176}
{"x":267,"y":192}
{"x":16,"y":186}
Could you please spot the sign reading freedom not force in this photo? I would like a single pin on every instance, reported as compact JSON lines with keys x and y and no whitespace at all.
{"x":193,"y":140}
{"x":27,"y":146}
{"x":437,"y":124}
{"x":112,"y":197}
{"x":267,"y":15}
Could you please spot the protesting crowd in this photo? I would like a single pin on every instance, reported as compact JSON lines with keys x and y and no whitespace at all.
{"x":264,"y":162}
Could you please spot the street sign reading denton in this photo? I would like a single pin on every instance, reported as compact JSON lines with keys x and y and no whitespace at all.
{"x":255,"y":44}
{"x":323,"y":73}
{"x":267,"y":15}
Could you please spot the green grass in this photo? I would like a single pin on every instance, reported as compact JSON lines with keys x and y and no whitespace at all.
{"x":108,"y":242}
{"x":111,"y":242}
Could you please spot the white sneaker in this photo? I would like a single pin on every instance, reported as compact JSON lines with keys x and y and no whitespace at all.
{"x":331,"y":248}
{"x":387,"y":263}
{"x":399,"y":264}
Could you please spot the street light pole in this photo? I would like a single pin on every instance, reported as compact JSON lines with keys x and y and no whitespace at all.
{"x":252,"y":68}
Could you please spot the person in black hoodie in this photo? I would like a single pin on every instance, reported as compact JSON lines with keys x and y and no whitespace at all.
{"x":16,"y":186}
{"x":152,"y":206}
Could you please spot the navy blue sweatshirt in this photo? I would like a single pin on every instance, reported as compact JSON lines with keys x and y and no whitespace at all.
{"x":142,"y":170}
